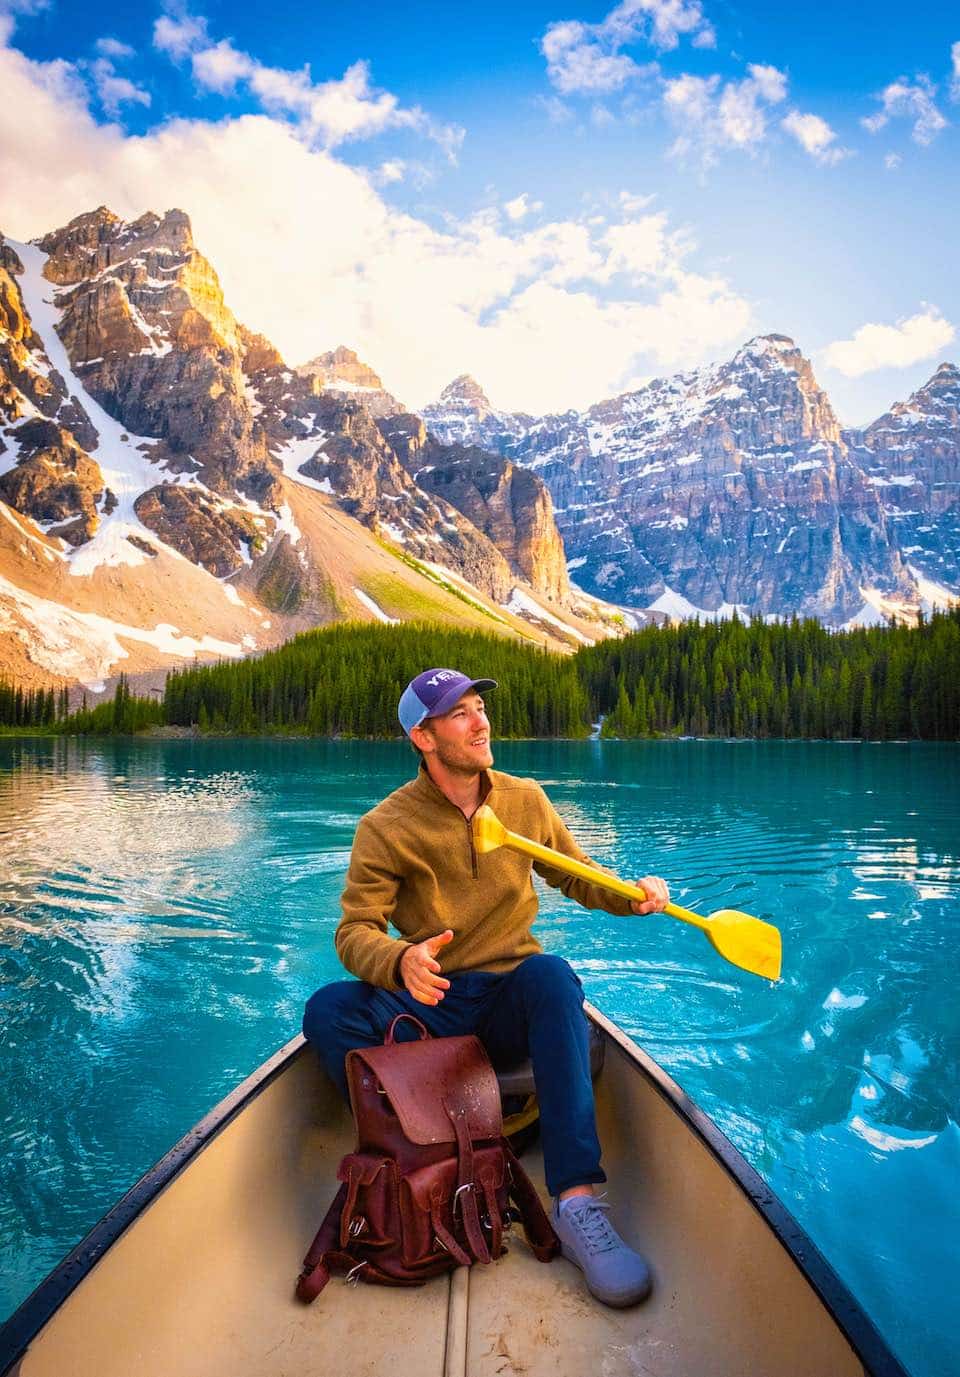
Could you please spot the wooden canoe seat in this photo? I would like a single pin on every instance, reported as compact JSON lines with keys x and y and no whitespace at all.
{"x":518,"y":1080}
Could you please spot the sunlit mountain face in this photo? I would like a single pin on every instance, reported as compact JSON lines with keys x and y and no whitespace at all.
{"x":734,"y":487}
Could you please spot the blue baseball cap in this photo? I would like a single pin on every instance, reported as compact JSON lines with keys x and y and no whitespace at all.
{"x":433,"y":693}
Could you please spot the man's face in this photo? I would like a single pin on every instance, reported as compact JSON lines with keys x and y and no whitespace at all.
{"x":461,"y":737}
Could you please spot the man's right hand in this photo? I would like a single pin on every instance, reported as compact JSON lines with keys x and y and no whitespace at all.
{"x":420,"y":969}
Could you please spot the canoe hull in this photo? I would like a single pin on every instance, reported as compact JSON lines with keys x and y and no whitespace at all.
{"x":193,"y":1272}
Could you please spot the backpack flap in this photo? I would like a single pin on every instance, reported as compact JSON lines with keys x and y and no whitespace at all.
{"x":423,"y":1079}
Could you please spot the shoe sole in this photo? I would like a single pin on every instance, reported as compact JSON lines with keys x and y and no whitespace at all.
{"x":616,"y":1300}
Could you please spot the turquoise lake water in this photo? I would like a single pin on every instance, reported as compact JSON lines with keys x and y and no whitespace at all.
{"x":166,"y":907}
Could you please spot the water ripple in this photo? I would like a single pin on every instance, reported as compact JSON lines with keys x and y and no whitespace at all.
{"x":166,"y":907}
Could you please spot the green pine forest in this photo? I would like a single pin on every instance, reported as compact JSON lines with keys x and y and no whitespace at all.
{"x":733,"y":678}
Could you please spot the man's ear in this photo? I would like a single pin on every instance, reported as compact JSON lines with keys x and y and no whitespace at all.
{"x":422,"y":738}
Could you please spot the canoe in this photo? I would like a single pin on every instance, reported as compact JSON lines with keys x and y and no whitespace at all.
{"x":192,"y":1273}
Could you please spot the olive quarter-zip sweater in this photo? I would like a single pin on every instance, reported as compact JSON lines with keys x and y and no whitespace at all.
{"x":414,"y":865}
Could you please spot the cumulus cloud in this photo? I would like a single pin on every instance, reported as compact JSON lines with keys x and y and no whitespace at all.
{"x":392,"y":170}
{"x":891,"y":346}
{"x":643,"y":248}
{"x":9,"y":9}
{"x":327,"y":113}
{"x":115,"y":91}
{"x":712,"y":115}
{"x":177,"y":36}
{"x":579,"y":62}
{"x":220,"y":67}
{"x":892,"y":161}
{"x":901,"y":100}
{"x":310,"y":254}
{"x":955,"y":78}
{"x":521,"y":206}
{"x":113,"y":48}
{"x":816,"y":137}
{"x":588,"y":58}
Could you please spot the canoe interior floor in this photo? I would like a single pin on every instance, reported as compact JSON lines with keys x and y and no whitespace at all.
{"x":202,"y":1284}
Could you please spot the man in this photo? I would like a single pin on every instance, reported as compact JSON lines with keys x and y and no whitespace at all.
{"x":466,"y":960}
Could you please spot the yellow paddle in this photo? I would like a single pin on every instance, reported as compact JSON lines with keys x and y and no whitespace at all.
{"x":743,"y":941}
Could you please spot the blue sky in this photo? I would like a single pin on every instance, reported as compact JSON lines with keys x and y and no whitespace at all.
{"x":564,"y":200}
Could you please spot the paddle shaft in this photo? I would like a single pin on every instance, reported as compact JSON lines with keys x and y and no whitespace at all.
{"x":595,"y":877}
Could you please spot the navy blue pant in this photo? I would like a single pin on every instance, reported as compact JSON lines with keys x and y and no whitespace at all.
{"x":535,"y":1011}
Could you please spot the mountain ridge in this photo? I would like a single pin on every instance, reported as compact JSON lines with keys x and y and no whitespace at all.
{"x":697,"y":484}
{"x":159,"y":463}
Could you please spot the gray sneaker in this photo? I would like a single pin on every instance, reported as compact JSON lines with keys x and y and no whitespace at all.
{"x":614,"y":1273}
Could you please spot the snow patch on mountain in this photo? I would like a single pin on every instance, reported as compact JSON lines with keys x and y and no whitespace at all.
{"x":521,"y":604}
{"x":674,"y":604}
{"x":85,"y":645}
{"x":127,"y":471}
{"x":371,"y":606}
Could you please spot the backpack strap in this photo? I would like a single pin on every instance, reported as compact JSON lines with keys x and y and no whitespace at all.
{"x":315,"y":1274}
{"x":537,"y":1227}
{"x":465,"y":1198}
{"x":492,"y":1218}
{"x":446,"y":1239}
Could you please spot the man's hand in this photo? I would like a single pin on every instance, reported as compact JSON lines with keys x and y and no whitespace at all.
{"x":658,"y":896}
{"x":420,"y":969}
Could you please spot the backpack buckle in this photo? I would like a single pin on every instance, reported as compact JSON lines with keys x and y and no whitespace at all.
{"x":467,"y":1186}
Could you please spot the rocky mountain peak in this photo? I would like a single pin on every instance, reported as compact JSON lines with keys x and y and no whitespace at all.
{"x":342,"y":373}
{"x":941,"y":393}
{"x":729,"y":484}
{"x":466,"y":393}
{"x":98,"y":240}
{"x":773,"y":371}
{"x":911,"y":456}
{"x":768,"y":348}
{"x":341,"y":365}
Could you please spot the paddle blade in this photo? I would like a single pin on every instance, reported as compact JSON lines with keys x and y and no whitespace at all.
{"x":489,"y":832}
{"x":746,"y":942}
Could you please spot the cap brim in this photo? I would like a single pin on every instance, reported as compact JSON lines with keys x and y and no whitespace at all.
{"x":451,"y":699}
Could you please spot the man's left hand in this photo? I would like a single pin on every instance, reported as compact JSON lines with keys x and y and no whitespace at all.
{"x":658,"y":896}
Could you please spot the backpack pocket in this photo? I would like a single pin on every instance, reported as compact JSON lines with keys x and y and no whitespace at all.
{"x":431,"y":1217}
{"x":371,"y":1218}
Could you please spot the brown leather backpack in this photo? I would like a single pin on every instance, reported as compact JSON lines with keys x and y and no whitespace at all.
{"x":431,"y":1181}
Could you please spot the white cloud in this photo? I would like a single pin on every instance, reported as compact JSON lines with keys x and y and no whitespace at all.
{"x":891,"y":346}
{"x":521,"y":206}
{"x":178,"y":36}
{"x":220,"y":67}
{"x":115,"y":91}
{"x":578,"y":63}
{"x":112,"y":47}
{"x":816,"y":137}
{"x":892,"y":161}
{"x":393,"y":170}
{"x":9,"y":9}
{"x":917,"y":103}
{"x":658,"y":22}
{"x":588,"y":58}
{"x":643,"y":248}
{"x":631,"y":204}
{"x":342,"y":266}
{"x":955,"y":79}
{"x":326,"y":113}
{"x":712,"y":115}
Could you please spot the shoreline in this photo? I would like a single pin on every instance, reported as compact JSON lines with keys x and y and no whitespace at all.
{"x":194,"y":734}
